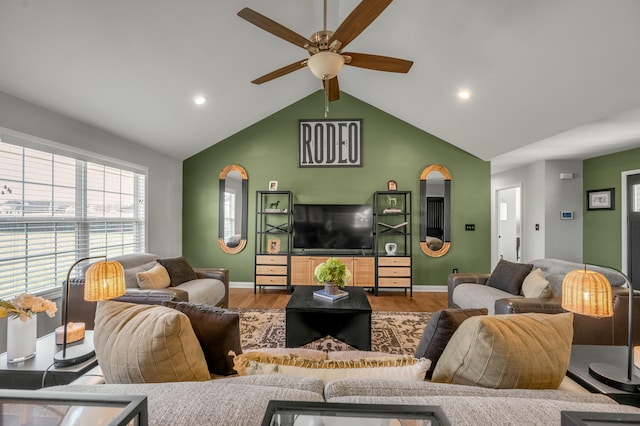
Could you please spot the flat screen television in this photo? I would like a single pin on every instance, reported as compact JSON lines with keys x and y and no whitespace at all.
{"x":333,"y":226}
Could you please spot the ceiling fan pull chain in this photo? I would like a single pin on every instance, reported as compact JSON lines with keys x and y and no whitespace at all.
{"x":326,"y":103}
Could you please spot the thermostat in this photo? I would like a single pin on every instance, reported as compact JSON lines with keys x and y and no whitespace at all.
{"x":566,"y":215}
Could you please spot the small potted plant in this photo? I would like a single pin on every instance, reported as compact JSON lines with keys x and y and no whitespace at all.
{"x":333,"y":274}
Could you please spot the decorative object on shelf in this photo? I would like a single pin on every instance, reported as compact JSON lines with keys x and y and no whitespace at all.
{"x":392,"y":185}
{"x":601,"y":199}
{"x":333,"y":274}
{"x":588,"y":293}
{"x":391,"y":249}
{"x":273,"y":185}
{"x":273,"y":246}
{"x":103,"y":280}
{"x":22,"y":324}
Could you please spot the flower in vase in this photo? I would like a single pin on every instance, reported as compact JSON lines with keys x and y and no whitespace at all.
{"x":332,"y":271}
{"x":26,"y":305}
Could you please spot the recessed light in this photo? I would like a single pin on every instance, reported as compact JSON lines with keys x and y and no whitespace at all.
{"x":464,"y":94}
{"x":199,"y":100}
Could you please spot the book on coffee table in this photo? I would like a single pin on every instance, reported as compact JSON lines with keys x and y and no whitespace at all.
{"x":324,"y":295}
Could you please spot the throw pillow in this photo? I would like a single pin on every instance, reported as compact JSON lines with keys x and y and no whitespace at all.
{"x":536,"y":285}
{"x":439,"y":330}
{"x":218,"y":332}
{"x":508,"y":276}
{"x":179,"y":270}
{"x":392,"y":368}
{"x":525,"y":351}
{"x":146,"y":344}
{"x":156,"y":277}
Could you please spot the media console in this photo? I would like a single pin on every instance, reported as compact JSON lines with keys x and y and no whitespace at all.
{"x":278,"y":262}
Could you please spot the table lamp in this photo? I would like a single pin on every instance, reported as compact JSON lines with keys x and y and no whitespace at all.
{"x":589,"y":293}
{"x":103,"y":280}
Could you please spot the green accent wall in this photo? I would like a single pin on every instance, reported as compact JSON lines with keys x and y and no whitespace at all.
{"x":602,"y":229}
{"x":391,"y":149}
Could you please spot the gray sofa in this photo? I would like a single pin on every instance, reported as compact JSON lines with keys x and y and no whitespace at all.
{"x":210,"y":288}
{"x":243,"y":400}
{"x":469,"y":290}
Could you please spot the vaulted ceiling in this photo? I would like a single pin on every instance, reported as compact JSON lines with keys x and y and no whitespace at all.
{"x":550,"y":79}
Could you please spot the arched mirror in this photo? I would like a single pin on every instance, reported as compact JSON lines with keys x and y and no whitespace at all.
{"x":232,"y":221}
{"x":435,"y":210}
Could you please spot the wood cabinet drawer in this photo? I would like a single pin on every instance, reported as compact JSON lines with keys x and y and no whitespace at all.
{"x":271,"y":280}
{"x":271,"y":260}
{"x":394,"y":282}
{"x":271,"y":270}
{"x":394,"y":261}
{"x":394,"y":272}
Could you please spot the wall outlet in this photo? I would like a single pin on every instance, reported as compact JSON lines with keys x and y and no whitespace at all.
{"x":470,"y":227}
{"x":537,"y":226}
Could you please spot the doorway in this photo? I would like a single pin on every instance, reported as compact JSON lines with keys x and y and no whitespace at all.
{"x":509,"y":224}
{"x":631,"y":244}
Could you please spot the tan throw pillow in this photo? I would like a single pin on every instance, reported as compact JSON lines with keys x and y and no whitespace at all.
{"x":536,"y":285}
{"x":156,"y":277}
{"x":438,"y":332}
{"x":146,"y":344}
{"x":388,"y":368}
{"x":525,"y":351}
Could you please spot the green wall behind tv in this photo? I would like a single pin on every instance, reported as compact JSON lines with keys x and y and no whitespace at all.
{"x":602,"y":237}
{"x":392,"y":149}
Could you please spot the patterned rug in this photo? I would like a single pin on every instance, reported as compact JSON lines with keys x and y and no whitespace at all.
{"x":391,"y":332}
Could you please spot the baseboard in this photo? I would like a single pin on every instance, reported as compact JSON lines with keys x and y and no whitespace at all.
{"x":416,"y":288}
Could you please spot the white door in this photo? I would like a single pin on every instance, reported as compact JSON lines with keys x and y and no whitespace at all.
{"x":509,"y":224}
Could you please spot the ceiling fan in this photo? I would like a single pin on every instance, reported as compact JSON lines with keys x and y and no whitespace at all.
{"x":325,"y":47}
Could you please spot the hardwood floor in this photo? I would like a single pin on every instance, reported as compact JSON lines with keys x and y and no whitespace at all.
{"x":386,"y":300}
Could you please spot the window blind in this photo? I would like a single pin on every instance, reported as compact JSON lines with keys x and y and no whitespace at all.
{"x":55,"y":209}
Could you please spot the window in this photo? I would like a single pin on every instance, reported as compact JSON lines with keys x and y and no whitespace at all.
{"x":55,"y":209}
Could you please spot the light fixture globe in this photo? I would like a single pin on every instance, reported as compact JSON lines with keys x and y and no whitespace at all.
{"x":325,"y":65}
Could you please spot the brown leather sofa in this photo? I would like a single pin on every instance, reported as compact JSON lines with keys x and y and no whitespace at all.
{"x":211,"y":287}
{"x":587,"y":330}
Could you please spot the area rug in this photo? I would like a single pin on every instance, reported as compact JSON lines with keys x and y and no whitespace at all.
{"x":391,"y":332}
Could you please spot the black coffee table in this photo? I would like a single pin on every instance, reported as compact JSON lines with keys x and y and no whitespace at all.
{"x":309,"y":318}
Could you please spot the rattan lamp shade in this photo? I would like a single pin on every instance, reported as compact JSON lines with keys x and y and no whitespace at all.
{"x":104,"y":280}
{"x":587,"y":293}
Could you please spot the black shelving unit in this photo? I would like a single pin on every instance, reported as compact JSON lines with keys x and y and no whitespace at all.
{"x":274,"y":232}
{"x":392,"y":219}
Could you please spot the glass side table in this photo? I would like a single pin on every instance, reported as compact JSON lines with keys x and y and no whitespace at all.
{"x":302,"y":413}
{"x":26,"y":407}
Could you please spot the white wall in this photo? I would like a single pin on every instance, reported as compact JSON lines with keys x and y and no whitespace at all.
{"x":544,"y":195}
{"x":164,"y":184}
{"x":563,"y":238}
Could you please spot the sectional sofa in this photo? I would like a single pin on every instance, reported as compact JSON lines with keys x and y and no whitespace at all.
{"x":155,"y":343}
{"x":475,"y":290}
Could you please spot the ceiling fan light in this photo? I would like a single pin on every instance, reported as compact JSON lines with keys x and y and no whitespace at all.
{"x":325,"y":65}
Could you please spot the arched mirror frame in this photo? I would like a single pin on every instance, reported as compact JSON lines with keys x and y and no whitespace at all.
{"x":244,"y":197}
{"x":447,"y":210}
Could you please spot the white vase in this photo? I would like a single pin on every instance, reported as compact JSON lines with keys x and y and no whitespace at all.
{"x":21,"y":338}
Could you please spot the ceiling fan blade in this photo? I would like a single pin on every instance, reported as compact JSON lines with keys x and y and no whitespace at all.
{"x":281,"y":71}
{"x":379,"y":63}
{"x":274,"y":28}
{"x":332,"y":89}
{"x":359,"y":19}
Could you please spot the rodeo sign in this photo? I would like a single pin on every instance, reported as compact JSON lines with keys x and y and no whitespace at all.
{"x":330,"y":143}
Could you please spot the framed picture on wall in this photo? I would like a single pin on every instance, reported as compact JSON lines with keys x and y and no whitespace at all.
{"x":601,"y":199}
